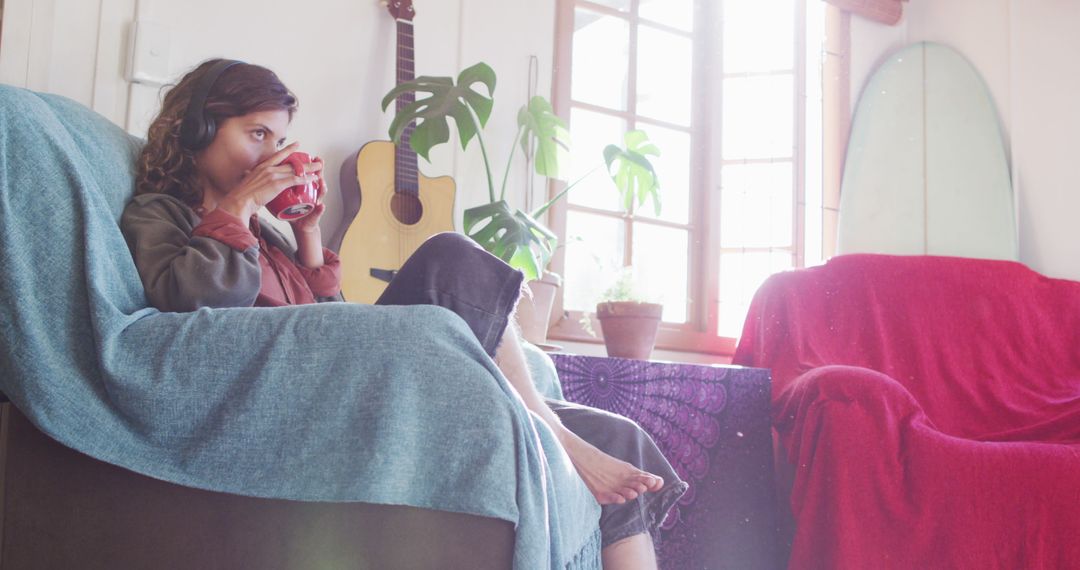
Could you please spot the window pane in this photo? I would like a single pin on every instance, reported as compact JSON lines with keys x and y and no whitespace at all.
{"x":756,"y":205}
{"x":740,"y":276}
{"x":594,"y":252}
{"x":660,"y":267}
{"x":601,"y":60}
{"x":590,"y":132}
{"x":674,"y":13}
{"x":673,"y":170}
{"x":759,"y":35}
{"x":665,"y":61}
{"x":758,"y":117}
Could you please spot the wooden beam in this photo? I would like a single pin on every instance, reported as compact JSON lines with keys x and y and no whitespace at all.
{"x":885,"y":11}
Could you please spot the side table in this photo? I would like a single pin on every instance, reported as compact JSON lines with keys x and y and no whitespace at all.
{"x":712,"y":423}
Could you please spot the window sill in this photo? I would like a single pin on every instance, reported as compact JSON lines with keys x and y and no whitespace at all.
{"x":668,"y":338}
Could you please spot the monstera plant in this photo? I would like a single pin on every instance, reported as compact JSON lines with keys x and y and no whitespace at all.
{"x":513,"y":235}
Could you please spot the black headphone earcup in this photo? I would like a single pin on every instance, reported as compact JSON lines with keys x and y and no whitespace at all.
{"x":208,"y":131}
{"x":188,"y":134}
{"x":196,"y":134}
{"x":196,"y":129}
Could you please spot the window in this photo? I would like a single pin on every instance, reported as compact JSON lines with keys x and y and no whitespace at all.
{"x":731,"y":93}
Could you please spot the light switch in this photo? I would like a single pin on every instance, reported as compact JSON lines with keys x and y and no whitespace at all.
{"x":148,"y":57}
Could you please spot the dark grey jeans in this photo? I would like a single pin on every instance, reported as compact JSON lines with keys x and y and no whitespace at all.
{"x":453,"y":271}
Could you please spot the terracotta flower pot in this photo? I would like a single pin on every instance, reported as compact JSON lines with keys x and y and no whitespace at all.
{"x":629,"y":327}
{"x":534,"y":315}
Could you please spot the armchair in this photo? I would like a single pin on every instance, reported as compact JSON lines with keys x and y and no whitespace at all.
{"x":63,"y":509}
{"x":273,"y":438}
{"x":928,"y":410}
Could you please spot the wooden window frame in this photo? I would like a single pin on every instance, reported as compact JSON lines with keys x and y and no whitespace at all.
{"x":886,"y":12}
{"x":697,"y":334}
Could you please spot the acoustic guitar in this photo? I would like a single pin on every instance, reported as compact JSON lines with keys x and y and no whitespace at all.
{"x":391,"y":208}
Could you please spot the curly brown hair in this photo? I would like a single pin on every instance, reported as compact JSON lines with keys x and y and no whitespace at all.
{"x":167,"y":167}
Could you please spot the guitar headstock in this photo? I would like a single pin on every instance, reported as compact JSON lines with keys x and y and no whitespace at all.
{"x":401,"y":9}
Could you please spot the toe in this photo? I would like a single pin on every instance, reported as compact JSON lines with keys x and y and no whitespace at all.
{"x":611,"y":499}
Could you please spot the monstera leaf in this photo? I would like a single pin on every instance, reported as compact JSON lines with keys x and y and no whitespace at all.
{"x":538,"y":121}
{"x":633,"y":174}
{"x":469,"y":108}
{"x":511,"y":235}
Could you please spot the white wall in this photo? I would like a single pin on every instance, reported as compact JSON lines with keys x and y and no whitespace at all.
{"x":1024,"y":50}
{"x":871,"y":43}
{"x":1046,"y":132}
{"x":336,"y":55}
{"x":72,"y":47}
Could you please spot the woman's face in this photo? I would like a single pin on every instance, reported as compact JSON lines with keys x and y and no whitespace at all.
{"x":239,"y":145}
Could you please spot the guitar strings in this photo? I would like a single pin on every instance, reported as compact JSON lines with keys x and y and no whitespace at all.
{"x":404,"y":36}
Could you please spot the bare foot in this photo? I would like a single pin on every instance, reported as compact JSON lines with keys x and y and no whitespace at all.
{"x":610,"y":480}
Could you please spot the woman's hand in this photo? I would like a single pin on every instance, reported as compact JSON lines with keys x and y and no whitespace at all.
{"x":310,"y":223}
{"x":262,"y":184}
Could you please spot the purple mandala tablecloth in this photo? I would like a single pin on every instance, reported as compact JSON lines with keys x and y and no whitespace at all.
{"x":712,"y":424}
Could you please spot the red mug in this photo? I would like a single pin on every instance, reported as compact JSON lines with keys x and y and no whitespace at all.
{"x":295,"y":202}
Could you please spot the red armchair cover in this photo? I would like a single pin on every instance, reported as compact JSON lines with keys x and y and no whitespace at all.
{"x":930,"y":409}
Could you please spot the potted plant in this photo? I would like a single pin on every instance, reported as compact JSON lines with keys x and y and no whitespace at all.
{"x":628,"y":322}
{"x":513,"y":235}
{"x":533,"y":314}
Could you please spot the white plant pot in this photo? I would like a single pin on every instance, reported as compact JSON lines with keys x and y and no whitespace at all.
{"x":534,"y":314}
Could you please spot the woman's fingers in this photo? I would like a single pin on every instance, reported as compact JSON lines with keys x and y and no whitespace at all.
{"x":281,"y":168}
{"x":276,"y":158}
{"x":268,"y":179}
{"x":277,"y":183}
{"x":253,"y":179}
{"x":321,"y":191}
{"x":317,"y":167}
{"x":283,"y":180}
{"x":288,"y":174}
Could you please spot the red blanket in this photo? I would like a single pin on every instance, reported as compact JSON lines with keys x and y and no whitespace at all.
{"x":930,"y":408}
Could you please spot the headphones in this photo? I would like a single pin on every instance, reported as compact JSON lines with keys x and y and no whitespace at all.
{"x":197,"y":130}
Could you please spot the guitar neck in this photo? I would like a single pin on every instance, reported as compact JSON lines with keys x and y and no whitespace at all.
{"x":405,"y":166}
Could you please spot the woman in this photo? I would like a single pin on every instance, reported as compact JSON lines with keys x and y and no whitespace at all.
{"x":213,"y":159}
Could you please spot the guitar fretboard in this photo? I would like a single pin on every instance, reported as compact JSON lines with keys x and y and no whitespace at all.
{"x":405,"y":168}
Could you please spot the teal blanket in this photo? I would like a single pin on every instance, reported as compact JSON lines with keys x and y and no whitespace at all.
{"x":328,"y":402}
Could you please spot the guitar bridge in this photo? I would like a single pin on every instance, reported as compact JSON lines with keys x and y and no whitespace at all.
{"x":383,"y":274}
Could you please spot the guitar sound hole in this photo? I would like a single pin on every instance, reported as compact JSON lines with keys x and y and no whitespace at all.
{"x":406,"y":208}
